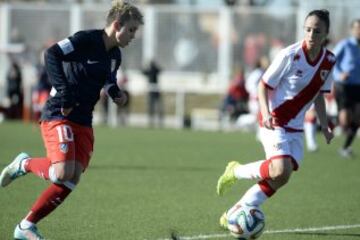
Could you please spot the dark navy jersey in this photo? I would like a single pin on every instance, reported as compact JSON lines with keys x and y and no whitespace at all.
{"x":78,"y":68}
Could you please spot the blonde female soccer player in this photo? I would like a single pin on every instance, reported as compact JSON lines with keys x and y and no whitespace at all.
{"x":78,"y":68}
{"x":297,"y":77}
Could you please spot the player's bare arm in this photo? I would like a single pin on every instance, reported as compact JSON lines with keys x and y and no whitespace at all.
{"x":321,"y":112}
{"x":264,"y":107}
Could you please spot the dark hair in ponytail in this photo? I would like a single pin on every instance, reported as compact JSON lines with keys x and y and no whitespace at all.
{"x":323,"y":15}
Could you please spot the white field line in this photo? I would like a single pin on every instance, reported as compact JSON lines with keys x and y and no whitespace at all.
{"x":294,"y":230}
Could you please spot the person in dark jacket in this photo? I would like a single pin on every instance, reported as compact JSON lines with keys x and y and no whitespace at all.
{"x":155,"y":104}
{"x":14,"y":91}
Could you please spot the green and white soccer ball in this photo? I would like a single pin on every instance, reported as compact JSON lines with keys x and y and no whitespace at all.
{"x":246,"y":222}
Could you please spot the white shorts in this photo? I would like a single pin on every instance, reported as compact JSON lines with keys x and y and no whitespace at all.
{"x":279,"y":142}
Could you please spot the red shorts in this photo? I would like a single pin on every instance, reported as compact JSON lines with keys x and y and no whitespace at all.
{"x":65,"y":140}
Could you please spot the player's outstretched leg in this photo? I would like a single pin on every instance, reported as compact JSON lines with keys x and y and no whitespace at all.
{"x":30,"y":233}
{"x":14,"y":170}
{"x":227,"y":179}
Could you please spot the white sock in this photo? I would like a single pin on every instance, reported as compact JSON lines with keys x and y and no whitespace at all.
{"x":248,"y":171}
{"x":310,"y":135}
{"x":25,"y":224}
{"x":22,"y":165}
{"x":253,"y":197}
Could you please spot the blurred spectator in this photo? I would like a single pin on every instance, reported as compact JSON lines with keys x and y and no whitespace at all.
{"x":230,"y":2}
{"x":41,"y":91}
{"x":310,"y":128}
{"x":252,"y":83}
{"x":123,"y":111}
{"x":155,"y":104}
{"x":275,"y":46}
{"x":103,"y":104}
{"x":14,"y":90}
{"x":235,"y":101}
{"x":347,"y":86}
{"x":254,"y":46}
{"x":311,"y":125}
{"x":249,"y":121}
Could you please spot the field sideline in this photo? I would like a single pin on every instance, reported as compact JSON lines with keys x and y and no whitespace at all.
{"x":146,"y":183}
{"x":310,"y":231}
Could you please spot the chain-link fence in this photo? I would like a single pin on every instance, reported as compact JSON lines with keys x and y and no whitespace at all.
{"x":206,"y":42}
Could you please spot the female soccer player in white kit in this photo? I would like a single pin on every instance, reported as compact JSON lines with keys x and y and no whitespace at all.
{"x":296,"y":78}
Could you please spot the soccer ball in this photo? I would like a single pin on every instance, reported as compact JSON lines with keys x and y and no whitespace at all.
{"x":246,"y":222}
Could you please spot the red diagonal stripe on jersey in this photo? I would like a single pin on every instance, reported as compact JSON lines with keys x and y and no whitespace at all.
{"x":290,"y":108}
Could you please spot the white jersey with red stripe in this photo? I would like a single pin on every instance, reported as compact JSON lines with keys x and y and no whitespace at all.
{"x":294,"y":82}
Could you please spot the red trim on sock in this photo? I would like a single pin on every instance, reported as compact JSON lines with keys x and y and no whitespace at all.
{"x":38,"y":166}
{"x":264,"y":169}
{"x":52,"y":197}
{"x":266,"y":188}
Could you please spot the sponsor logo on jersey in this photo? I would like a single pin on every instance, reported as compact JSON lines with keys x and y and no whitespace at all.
{"x":277,"y":146}
{"x":324,"y":74}
{"x":91,"y":62}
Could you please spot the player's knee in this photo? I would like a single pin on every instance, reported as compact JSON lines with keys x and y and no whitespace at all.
{"x":64,"y":176}
{"x":60,"y":174}
{"x":281,"y":171}
{"x":71,"y":184}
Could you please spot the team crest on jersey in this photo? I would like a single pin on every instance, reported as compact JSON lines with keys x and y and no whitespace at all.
{"x":64,"y":147}
{"x":324,"y":74}
{"x":113,"y":65}
{"x":277,"y":146}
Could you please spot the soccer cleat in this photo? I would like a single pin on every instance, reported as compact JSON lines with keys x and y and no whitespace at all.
{"x":27,"y":234}
{"x":227,"y":179}
{"x":13,"y":170}
{"x":345,"y":152}
{"x":223,"y":221}
{"x":312,"y":149}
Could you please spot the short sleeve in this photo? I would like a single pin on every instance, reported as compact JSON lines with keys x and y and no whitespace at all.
{"x":276,"y":70}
